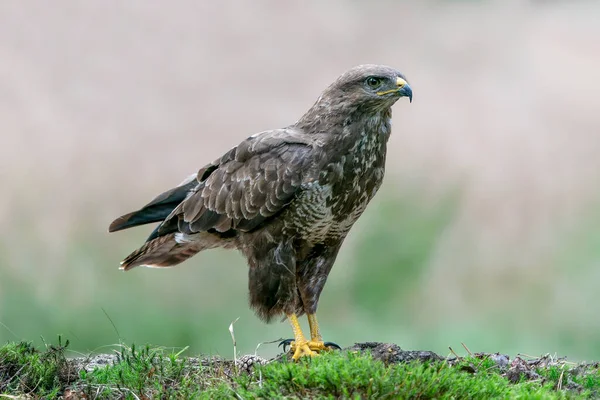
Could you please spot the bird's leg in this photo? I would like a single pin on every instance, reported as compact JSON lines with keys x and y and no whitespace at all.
{"x":316,"y":340}
{"x":302,"y":347}
{"x":300,"y":344}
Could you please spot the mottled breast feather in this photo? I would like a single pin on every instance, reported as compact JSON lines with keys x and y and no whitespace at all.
{"x":349,"y":177}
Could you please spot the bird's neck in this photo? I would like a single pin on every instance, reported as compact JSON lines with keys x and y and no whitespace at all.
{"x":342,"y":119}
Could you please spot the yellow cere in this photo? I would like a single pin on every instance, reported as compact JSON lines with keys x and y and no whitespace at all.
{"x":399,"y":82}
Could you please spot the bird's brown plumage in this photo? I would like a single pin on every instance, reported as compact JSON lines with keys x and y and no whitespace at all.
{"x":285,"y":198}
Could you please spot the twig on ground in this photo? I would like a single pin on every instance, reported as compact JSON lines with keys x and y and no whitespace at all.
{"x":235,"y":364}
{"x":560,"y":379}
{"x":455,"y":355}
{"x":467,"y":349}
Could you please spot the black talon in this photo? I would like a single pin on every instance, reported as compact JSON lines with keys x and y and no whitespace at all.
{"x":332,"y":345}
{"x":285,"y":343}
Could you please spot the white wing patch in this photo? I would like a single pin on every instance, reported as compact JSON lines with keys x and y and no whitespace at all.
{"x":183,"y":238}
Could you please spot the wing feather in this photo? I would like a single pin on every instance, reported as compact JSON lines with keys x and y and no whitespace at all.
{"x":249,"y":184}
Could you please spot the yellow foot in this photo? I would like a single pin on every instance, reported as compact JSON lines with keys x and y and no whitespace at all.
{"x":318,"y":345}
{"x":302,"y":349}
{"x":308,"y":348}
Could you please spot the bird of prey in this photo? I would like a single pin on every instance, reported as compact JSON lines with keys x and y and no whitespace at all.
{"x":285,"y":198}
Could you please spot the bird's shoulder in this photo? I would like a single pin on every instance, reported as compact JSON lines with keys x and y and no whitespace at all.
{"x":250,"y":183}
{"x":272,"y":143}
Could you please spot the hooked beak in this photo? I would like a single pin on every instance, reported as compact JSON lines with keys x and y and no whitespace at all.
{"x":404,"y":88}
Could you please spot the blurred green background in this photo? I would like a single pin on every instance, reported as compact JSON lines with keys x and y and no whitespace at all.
{"x":487,"y":229}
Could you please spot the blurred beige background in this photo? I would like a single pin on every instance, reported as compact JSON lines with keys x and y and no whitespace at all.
{"x":487,"y":230}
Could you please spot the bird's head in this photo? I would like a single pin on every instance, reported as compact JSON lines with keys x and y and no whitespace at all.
{"x":365,"y":89}
{"x":376,"y":86}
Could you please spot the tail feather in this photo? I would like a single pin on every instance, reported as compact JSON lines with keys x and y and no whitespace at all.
{"x":141,"y":217}
{"x":163,"y":251}
{"x":172,"y":249}
{"x":167,"y":246}
{"x":155,"y":211}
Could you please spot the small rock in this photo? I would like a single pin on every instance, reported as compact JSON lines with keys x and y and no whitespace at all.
{"x":519,"y":368}
{"x":469,"y":368}
{"x":97,"y":361}
{"x":501,"y":360}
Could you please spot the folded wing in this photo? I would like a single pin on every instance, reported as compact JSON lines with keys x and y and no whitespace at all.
{"x":249,"y":184}
{"x":239,"y":192}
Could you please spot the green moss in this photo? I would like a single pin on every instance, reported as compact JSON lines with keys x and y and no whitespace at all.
{"x":25,"y":370}
{"x":342,"y":375}
{"x":151,"y":372}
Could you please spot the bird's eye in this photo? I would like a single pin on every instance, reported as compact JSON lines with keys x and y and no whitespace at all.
{"x":373,"y":82}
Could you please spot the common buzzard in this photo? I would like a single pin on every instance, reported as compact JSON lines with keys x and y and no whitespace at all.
{"x":286,"y":198}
